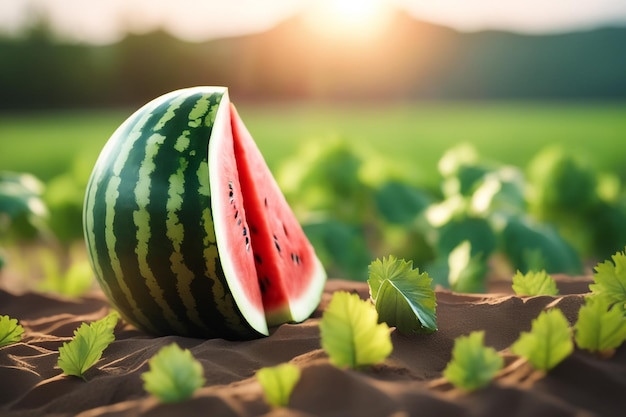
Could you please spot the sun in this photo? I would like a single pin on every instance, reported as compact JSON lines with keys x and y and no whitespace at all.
{"x":348,"y":19}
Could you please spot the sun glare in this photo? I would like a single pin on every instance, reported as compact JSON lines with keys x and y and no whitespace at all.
{"x":348,"y":19}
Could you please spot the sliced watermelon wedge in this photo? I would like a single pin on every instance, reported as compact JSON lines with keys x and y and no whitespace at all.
{"x":290,"y":275}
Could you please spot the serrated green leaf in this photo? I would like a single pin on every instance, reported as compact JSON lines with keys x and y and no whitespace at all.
{"x":548,"y":342}
{"x":534,"y":283}
{"x":600,"y":328}
{"x":473,"y":364}
{"x":403,"y":296}
{"x":87,"y":346}
{"x":174,"y":374}
{"x":278,"y":383}
{"x":350,"y":332}
{"x":610,"y":280}
{"x":10,"y":331}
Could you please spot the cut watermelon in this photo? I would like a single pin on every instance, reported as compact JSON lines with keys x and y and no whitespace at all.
{"x":285,"y":260}
{"x":187,"y":230}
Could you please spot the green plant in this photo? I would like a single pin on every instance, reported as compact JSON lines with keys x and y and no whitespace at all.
{"x":174,"y":374}
{"x":610,"y":281}
{"x":547,"y":343}
{"x":278,"y":383}
{"x":72,"y":281}
{"x":600,"y":328}
{"x":350,"y":332}
{"x":403,"y":296}
{"x":10,"y":331}
{"x":534,"y":283}
{"x":23,"y":213}
{"x":87,"y":346}
{"x":473,"y":365}
{"x":483,"y":211}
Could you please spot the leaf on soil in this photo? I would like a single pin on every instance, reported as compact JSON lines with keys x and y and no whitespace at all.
{"x":548,"y":342}
{"x":87,"y":346}
{"x":10,"y":331}
{"x":174,"y":374}
{"x":610,"y":280}
{"x":278,"y":383}
{"x":599,"y":328}
{"x":473,"y":364}
{"x":534,"y":283}
{"x":403,"y":296}
{"x":351,"y":334}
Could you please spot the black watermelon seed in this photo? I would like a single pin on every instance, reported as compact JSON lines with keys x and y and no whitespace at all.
{"x":258,"y":258}
{"x":264,"y":284}
{"x":276,"y":243}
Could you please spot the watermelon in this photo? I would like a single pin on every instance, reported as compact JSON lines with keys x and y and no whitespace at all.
{"x":186,"y":229}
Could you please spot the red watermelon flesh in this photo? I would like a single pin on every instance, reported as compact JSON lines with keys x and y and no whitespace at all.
{"x":290,"y":275}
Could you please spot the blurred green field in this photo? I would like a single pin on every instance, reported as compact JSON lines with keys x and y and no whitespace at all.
{"x":414,"y":134}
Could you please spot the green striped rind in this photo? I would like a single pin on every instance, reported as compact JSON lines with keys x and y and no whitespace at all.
{"x":149,"y":225}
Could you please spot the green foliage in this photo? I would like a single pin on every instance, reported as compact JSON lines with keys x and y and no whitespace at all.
{"x":477,"y":231}
{"x":610,"y":280}
{"x":473,"y":365}
{"x":535,"y":246}
{"x":534,"y":283}
{"x":23,"y":213}
{"x":72,"y":282}
{"x":548,"y":342}
{"x":10,"y":331}
{"x":174,"y":374}
{"x":466,"y":271}
{"x":600,"y":328}
{"x":350,"y":332}
{"x":278,"y":383}
{"x":403,"y":296}
{"x":87,"y":346}
{"x":561,"y":182}
{"x":351,"y":200}
{"x":331,"y":238}
{"x":400,"y":203}
{"x":64,"y":197}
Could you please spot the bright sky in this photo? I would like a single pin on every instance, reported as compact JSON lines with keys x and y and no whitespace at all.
{"x":104,"y":21}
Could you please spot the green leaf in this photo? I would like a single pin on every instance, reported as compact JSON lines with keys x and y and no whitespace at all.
{"x":530,"y":245}
{"x":87,"y":346}
{"x":466,"y":271}
{"x":174,"y":374}
{"x":351,"y":334}
{"x":600,"y":328}
{"x":22,"y":209}
{"x":534,"y":283}
{"x":473,"y":365}
{"x":340,"y":246}
{"x":402,"y":295}
{"x":278,"y":383}
{"x":10,"y":331}
{"x":548,"y":342}
{"x":400,"y":203}
{"x":610,"y":280}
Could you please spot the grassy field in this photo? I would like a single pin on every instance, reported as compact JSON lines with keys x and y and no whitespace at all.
{"x":415,"y":134}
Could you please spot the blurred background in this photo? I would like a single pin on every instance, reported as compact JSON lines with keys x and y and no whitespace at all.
{"x":474,"y":138}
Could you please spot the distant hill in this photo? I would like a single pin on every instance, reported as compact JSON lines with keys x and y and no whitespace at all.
{"x":411,"y":60}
